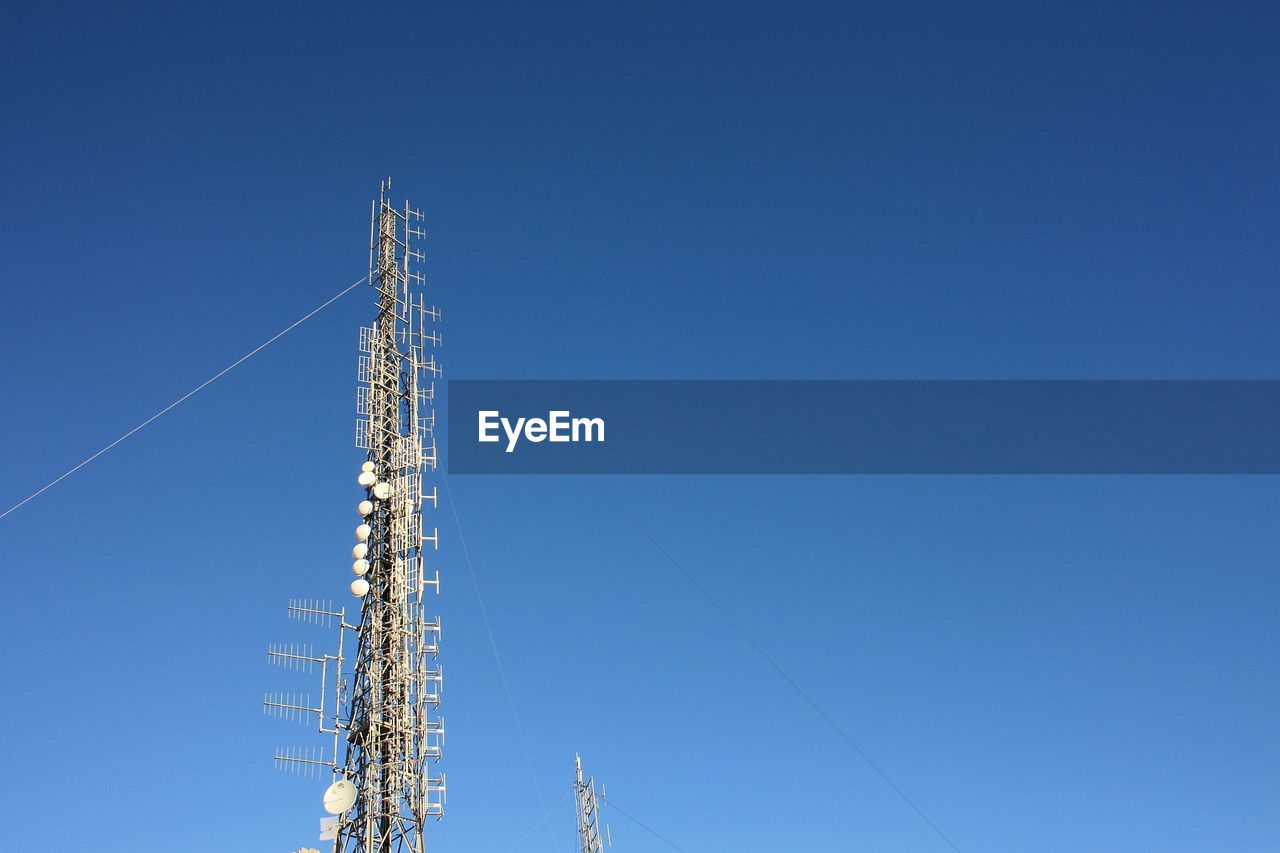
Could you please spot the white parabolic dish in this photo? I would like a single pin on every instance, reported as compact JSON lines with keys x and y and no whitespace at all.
{"x":340,"y":796}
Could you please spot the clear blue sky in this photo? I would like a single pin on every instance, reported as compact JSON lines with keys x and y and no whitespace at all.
{"x":621,"y":190}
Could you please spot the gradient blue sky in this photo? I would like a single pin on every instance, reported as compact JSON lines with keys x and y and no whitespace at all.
{"x":622,"y":190}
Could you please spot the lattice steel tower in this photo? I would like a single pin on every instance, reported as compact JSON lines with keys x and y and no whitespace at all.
{"x":591,"y":839}
{"x":385,"y":731}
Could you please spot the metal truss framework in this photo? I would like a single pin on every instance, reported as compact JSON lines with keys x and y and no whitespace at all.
{"x":386,"y":732}
{"x":587,"y":809}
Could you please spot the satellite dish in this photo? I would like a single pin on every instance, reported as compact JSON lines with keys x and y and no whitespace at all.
{"x":365,"y":507}
{"x":360,"y":587}
{"x":366,"y":479}
{"x":340,"y":796}
{"x":381,"y":491}
{"x":366,"y":467}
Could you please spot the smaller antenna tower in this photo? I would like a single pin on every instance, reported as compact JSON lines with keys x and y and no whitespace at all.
{"x":589,"y":806}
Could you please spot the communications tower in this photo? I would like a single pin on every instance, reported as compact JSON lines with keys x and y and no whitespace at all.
{"x":382,"y":716}
{"x":587,"y":808}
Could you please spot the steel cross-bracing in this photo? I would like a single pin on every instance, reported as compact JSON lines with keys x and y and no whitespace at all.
{"x":587,"y":808}
{"x":383,"y":718}
{"x":393,"y":735}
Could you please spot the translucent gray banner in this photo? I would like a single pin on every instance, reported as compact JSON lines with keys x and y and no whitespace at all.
{"x":864,"y":427}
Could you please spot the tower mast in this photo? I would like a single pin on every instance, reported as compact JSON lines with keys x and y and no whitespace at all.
{"x":587,"y":810}
{"x":391,"y":735}
{"x":386,"y":733}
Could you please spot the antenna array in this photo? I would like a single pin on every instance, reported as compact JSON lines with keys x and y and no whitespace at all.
{"x":382,"y":717}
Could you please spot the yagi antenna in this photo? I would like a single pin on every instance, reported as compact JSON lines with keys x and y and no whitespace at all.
{"x":306,"y":761}
{"x":314,"y":611}
{"x":295,"y":656}
{"x":294,"y":707}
